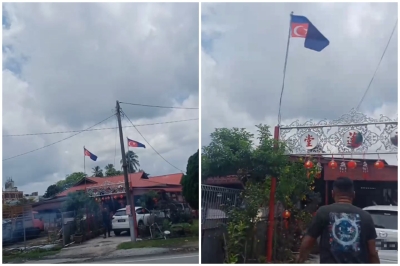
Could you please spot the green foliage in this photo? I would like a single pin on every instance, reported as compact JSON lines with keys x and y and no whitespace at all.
{"x":97,"y":172}
{"x":133,"y":162}
{"x":70,"y":180}
{"x":110,"y":170}
{"x":190,"y":182}
{"x":229,"y":151}
{"x":79,"y":202}
{"x":52,"y":190}
{"x":233,"y":152}
{"x":147,"y":200}
{"x":237,"y":152}
{"x":243,"y":221}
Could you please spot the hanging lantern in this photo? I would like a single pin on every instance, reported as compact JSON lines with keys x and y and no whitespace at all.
{"x":332,"y":164}
{"x":352,"y":164}
{"x":343,"y":167}
{"x":308,"y":164}
{"x":365,"y":169}
{"x":319,"y":169}
{"x":318,"y":175}
{"x":115,"y":197}
{"x":379,"y":165}
{"x":121,"y":196}
{"x":286,"y":214}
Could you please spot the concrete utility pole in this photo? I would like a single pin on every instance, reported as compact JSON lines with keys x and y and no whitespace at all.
{"x":125,"y":167}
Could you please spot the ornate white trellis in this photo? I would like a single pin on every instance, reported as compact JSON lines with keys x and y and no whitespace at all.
{"x":351,"y":134}
{"x":106,"y":189}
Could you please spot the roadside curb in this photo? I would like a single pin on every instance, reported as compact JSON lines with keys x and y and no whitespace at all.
{"x":164,"y":252}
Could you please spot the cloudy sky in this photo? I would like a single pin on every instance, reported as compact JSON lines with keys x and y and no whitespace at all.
{"x":64,"y":67}
{"x":243,"y":52}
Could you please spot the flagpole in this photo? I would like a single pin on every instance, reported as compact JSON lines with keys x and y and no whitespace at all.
{"x":84,"y":163}
{"x":284,"y":69}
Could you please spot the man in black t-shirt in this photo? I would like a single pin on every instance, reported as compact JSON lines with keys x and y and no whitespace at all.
{"x":347,"y":233}
{"x":106,"y":222}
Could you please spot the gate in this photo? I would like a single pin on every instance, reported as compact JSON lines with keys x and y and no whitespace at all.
{"x":214,"y":203}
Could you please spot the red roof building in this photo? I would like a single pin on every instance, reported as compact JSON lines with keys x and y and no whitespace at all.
{"x":113,"y":189}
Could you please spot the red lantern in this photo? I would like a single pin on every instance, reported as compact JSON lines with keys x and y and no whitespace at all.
{"x":318,"y":175}
{"x":332,"y":164}
{"x":115,"y":197}
{"x":286,"y":214}
{"x":352,"y":164}
{"x":308,"y":164}
{"x":121,"y":196}
{"x":379,"y":165}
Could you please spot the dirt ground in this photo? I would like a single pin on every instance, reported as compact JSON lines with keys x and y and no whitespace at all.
{"x":43,"y":239}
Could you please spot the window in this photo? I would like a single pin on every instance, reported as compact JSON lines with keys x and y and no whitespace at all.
{"x":384,"y":219}
{"x":120,"y":213}
{"x":142,"y":211}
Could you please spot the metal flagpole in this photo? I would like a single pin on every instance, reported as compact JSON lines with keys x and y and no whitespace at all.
{"x":133,"y":200}
{"x":84,"y":164}
{"x":271,"y":209}
{"x":284,"y":69}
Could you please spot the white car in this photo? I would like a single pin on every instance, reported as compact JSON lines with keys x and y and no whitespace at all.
{"x":120,"y":221}
{"x":385,"y":219}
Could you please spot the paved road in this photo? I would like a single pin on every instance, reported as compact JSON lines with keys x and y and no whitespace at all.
{"x":189,"y":258}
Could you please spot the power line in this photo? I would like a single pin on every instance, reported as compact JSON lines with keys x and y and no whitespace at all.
{"x":57,"y":141}
{"x":96,"y":129}
{"x":159,"y":106}
{"x":376,"y":70}
{"x":149,"y":143}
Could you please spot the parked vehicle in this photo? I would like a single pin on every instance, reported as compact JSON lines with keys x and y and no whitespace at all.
{"x":120,"y":221}
{"x":15,"y":227}
{"x":385,"y":219}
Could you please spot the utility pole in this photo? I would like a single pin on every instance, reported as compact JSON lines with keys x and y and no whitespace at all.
{"x":127,"y":187}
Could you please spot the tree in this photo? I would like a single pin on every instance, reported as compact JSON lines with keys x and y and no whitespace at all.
{"x":97,"y":171}
{"x":110,"y":170}
{"x":255,"y":160}
{"x":229,"y":150}
{"x":190,"y":182}
{"x":52,"y":190}
{"x":233,"y":152}
{"x":70,"y":180}
{"x":133,"y":162}
{"x":81,"y":203}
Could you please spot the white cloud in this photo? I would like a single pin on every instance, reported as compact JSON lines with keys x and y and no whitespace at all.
{"x":64,"y":67}
{"x":243,"y":57}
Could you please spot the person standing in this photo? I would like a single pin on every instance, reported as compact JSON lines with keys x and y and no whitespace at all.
{"x":106,"y":222}
{"x":347,"y":233}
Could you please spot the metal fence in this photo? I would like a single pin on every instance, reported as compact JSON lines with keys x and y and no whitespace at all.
{"x":215,"y":201}
{"x":68,"y":226}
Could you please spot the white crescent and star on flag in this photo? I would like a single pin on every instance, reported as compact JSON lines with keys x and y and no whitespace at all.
{"x":300,"y":31}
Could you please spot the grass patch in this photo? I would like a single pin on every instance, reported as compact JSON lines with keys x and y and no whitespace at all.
{"x":160,"y":243}
{"x":195,"y":227}
{"x":30,"y":255}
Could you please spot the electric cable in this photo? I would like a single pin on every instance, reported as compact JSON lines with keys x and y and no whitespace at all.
{"x":96,"y":129}
{"x":149,"y":143}
{"x":48,"y":145}
{"x":160,"y":106}
{"x":376,"y":70}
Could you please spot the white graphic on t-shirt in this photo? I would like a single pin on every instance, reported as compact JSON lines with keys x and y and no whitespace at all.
{"x":345,"y":231}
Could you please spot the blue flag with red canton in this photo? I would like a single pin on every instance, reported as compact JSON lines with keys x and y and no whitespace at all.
{"x":301,"y":27}
{"x":135,"y":144}
{"x":91,"y":155}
